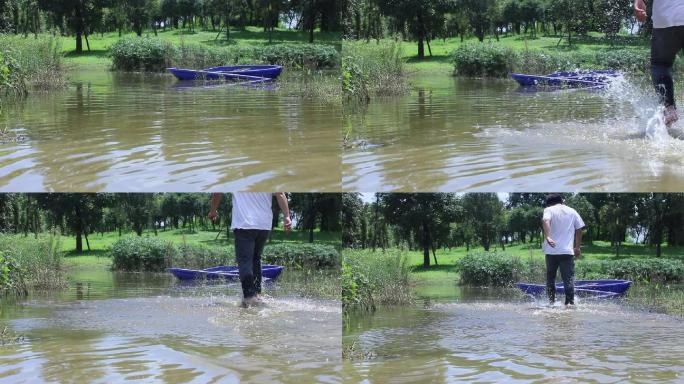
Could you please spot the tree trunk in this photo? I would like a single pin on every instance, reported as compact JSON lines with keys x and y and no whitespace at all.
{"x":79,"y":242}
{"x":426,"y":244}
{"x":87,"y":242}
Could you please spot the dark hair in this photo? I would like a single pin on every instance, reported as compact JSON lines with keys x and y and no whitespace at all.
{"x":553,"y":199}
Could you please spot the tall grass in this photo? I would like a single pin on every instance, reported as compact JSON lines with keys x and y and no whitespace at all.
{"x":371,"y":278}
{"x":660,"y":297}
{"x":32,"y":64}
{"x":28,"y":264}
{"x":373,"y":69}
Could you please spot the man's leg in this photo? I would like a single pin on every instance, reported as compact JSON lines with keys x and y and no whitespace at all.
{"x":567,"y":269}
{"x":244,"y":253}
{"x":261,"y":238}
{"x":551,"y":268}
{"x":665,"y":43}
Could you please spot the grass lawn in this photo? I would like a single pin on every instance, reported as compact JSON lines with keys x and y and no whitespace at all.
{"x":100,"y":44}
{"x":446,"y":269}
{"x":99,"y":244}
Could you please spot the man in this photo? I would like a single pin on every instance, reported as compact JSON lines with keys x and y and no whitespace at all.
{"x":667,"y":40}
{"x":562,"y":227}
{"x":251,"y":223}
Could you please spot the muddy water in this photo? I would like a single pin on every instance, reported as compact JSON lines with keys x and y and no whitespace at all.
{"x":133,"y":132}
{"x":455,"y":134}
{"x":484,"y":336}
{"x":147,"y":328}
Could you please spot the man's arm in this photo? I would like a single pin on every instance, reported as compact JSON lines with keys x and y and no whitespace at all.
{"x":215,"y":202}
{"x":578,"y":242}
{"x":547,"y":233}
{"x":282,"y":203}
{"x":640,"y":10}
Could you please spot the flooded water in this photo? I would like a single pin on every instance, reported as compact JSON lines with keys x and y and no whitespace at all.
{"x":484,"y":336}
{"x":134,"y":132}
{"x":115,"y":327}
{"x":454,"y":134}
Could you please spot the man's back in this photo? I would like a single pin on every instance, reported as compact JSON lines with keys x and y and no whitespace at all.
{"x":563,"y":221}
{"x":668,"y":13}
{"x":252,"y":210}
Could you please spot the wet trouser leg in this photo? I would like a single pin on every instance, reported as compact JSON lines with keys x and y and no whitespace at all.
{"x":551,"y":268}
{"x":567,"y":270}
{"x":665,"y":43}
{"x":249,"y":244}
{"x":261,"y":238}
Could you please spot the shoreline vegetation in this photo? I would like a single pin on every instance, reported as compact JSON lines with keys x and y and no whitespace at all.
{"x":41,"y":262}
{"x":364,"y":288}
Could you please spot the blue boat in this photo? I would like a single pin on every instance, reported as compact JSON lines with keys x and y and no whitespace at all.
{"x":233,"y":72}
{"x":606,"y":288}
{"x":224,"y":272}
{"x":596,"y":78}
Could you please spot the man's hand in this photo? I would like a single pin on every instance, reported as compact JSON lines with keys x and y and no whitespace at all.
{"x":213,"y":215}
{"x":551,"y":242}
{"x":640,"y":10}
{"x":287,"y":222}
{"x":578,"y":252}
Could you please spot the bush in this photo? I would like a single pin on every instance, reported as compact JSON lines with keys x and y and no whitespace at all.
{"x":199,"y":257}
{"x":302,"y":255}
{"x":488,"y":269}
{"x":483,"y":60}
{"x":155,"y":54}
{"x":489,"y":60}
{"x":144,"y":53}
{"x":375,"y":278}
{"x":646,"y":270}
{"x":142,"y":254}
{"x":27,"y":263}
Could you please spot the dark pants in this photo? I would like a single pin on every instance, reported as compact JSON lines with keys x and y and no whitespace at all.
{"x":567,"y":269}
{"x":665,"y":43}
{"x":249,"y":243}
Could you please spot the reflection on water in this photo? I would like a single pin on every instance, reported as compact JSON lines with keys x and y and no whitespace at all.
{"x":116,"y":327}
{"x":474,"y":337}
{"x":455,"y":134}
{"x":133,"y":132}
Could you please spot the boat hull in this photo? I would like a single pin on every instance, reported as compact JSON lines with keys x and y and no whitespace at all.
{"x":235,"y":72}
{"x":567,"y":78}
{"x":224,"y":272}
{"x":611,"y":287}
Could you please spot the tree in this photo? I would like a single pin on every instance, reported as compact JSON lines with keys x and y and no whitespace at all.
{"x":424,"y":215}
{"x":420,"y":17}
{"x":78,"y":15}
{"x":483,"y":212}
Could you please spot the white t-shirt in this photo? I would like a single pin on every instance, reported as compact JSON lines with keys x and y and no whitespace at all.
{"x":668,"y":13}
{"x":252,"y":210}
{"x":564,"y":221}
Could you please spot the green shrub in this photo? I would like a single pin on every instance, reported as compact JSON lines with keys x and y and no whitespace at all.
{"x":488,"y":269}
{"x":142,"y":54}
{"x":483,"y":60}
{"x":27,"y":263}
{"x":647,"y":270}
{"x":155,"y":54}
{"x":142,"y":254}
{"x":302,"y":255}
{"x":375,"y":278}
{"x":629,"y":60}
{"x":544,"y":62}
{"x":199,"y":257}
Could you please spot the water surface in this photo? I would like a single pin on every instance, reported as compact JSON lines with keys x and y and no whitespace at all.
{"x":143,"y":132}
{"x":121,"y":327}
{"x":486,"y":336}
{"x":452,"y":134}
